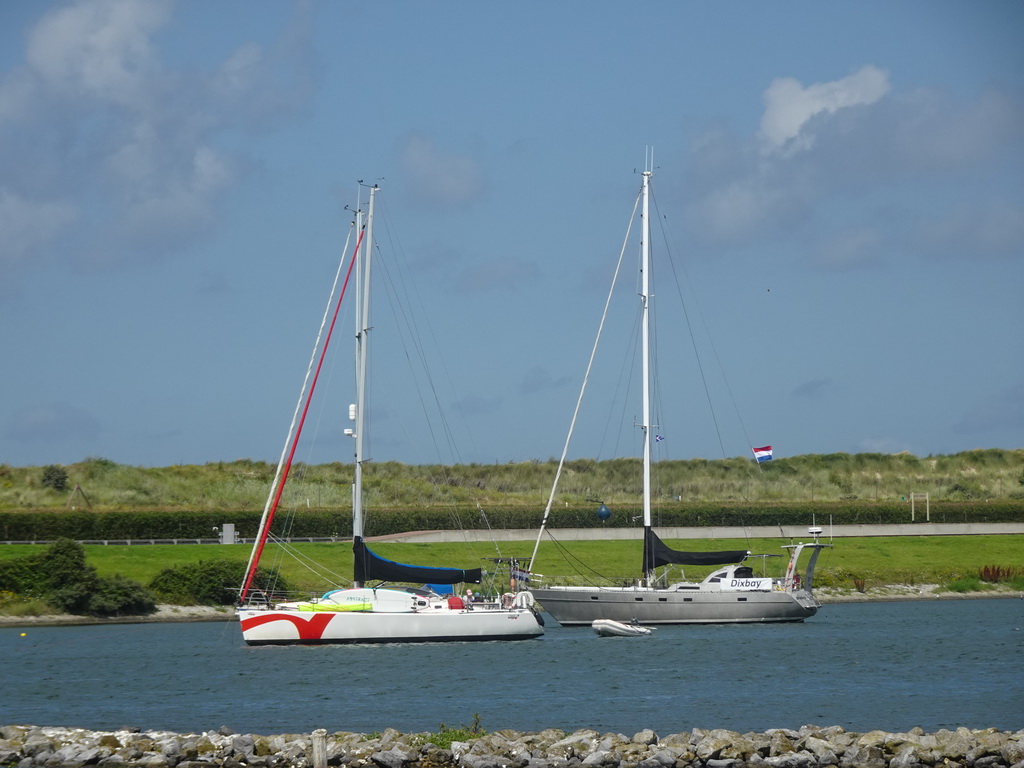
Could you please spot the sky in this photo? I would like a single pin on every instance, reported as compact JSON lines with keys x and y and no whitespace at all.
{"x":843,"y":183}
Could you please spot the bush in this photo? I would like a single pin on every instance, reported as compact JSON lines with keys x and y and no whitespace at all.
{"x":445,"y":734}
{"x":117,"y":596}
{"x":967,"y":584}
{"x":60,"y":577}
{"x":995,"y":574}
{"x":55,"y":477}
{"x":211,"y":582}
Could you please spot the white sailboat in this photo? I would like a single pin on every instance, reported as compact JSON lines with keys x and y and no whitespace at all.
{"x":379,"y":606}
{"x":731,"y":594}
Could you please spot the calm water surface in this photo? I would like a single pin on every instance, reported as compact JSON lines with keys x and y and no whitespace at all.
{"x":891,"y":666}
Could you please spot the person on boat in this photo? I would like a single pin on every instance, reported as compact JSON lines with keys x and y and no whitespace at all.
{"x":469,"y":599}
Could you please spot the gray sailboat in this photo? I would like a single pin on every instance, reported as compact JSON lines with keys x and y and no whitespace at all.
{"x":731,"y":594}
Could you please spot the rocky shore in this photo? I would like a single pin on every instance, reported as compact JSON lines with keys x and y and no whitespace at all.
{"x":28,"y":746}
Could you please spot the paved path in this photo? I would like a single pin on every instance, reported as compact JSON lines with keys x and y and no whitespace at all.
{"x":721,"y":532}
{"x":794,"y":532}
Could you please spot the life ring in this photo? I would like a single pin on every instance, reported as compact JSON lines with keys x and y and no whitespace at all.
{"x":523,"y":600}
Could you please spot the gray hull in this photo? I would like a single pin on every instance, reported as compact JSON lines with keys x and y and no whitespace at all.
{"x":572,"y":606}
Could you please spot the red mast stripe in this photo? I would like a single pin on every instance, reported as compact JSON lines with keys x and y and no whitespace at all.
{"x":295,"y":440}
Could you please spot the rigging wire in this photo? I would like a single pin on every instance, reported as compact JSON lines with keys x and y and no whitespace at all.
{"x":415,"y":336}
{"x":407,"y":301}
{"x":409,"y":329}
{"x":693,"y":340}
{"x":583,"y":387}
{"x":284,"y":466}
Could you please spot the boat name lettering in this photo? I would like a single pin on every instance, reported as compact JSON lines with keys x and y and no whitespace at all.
{"x":750,"y":584}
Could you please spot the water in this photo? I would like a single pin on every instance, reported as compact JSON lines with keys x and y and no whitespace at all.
{"x":863,"y":666}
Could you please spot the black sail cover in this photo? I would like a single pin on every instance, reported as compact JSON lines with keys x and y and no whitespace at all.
{"x":656,"y":553}
{"x":370,"y":567}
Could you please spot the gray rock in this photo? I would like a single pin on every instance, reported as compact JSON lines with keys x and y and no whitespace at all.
{"x":809,"y":747}
{"x":906,"y":757}
{"x":1013,"y":752}
{"x":646,"y":737}
{"x":243,"y":744}
{"x":392,"y":758}
{"x":711,"y":743}
{"x":791,"y":760}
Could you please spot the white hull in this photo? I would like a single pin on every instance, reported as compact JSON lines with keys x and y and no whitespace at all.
{"x":282,"y":627}
{"x":609,"y":628}
{"x":576,"y":606}
{"x":385,"y":616}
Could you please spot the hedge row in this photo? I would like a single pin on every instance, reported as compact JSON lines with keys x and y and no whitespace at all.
{"x":84,"y":526}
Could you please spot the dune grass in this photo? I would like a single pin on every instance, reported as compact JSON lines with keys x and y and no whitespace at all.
{"x":243,"y":484}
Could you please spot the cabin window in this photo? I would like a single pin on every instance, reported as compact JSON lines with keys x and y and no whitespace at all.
{"x":662,"y":599}
{"x":687,"y":599}
{"x":741,"y":599}
{"x":593,"y":597}
{"x":638,"y":599}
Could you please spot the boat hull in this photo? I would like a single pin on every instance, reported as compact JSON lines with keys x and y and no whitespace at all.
{"x":291,"y":627}
{"x":575,"y":606}
{"x":609,"y":628}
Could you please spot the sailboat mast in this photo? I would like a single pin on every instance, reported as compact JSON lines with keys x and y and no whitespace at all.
{"x":362,"y":350}
{"x":645,"y":298}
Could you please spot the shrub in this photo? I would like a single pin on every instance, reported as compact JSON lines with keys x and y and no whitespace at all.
{"x":117,"y":596}
{"x":55,"y":477}
{"x":446,"y":735}
{"x":60,"y":577}
{"x":994,"y":574}
{"x":211,"y":582}
{"x":966,"y":584}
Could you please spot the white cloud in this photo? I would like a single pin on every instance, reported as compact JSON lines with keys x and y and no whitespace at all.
{"x":740,"y":207}
{"x":850,"y":249}
{"x":28,"y":226}
{"x":439,"y":177}
{"x":99,"y":49}
{"x":844,"y":178}
{"x":789,"y":106}
{"x":103,"y":143}
{"x":16,"y":96}
{"x":974,"y":230}
{"x":539,"y":379}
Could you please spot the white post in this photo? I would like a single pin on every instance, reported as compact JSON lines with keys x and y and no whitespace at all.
{"x":927,"y":506}
{"x":320,"y":748}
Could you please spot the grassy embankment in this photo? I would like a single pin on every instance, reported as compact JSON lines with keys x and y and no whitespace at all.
{"x":871,"y":562}
{"x":239,"y":485}
{"x":854,"y":478}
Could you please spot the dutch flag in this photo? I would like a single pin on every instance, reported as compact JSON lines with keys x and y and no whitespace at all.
{"x":763,"y":454}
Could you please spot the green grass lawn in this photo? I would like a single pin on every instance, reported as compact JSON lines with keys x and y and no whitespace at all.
{"x":876,"y":560}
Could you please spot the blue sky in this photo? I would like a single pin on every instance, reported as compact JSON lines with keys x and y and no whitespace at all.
{"x":844,"y":182}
